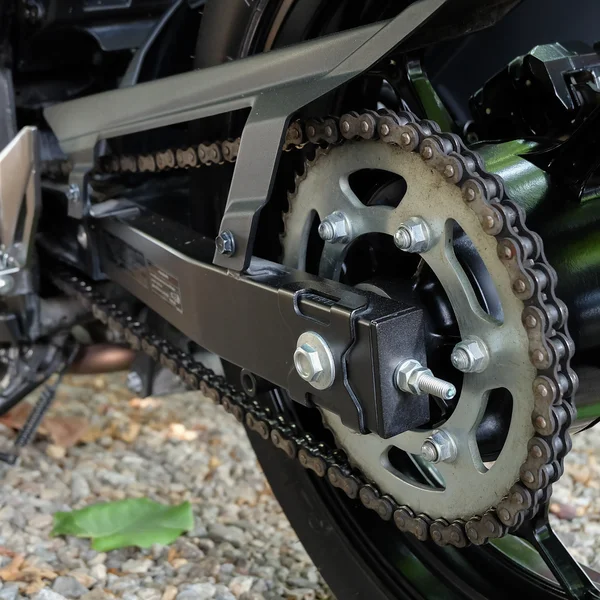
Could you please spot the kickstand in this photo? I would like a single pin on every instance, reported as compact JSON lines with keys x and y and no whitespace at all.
{"x":568,"y":572}
{"x":41,"y":407}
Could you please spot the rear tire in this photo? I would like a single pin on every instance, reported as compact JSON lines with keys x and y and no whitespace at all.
{"x":360,"y":556}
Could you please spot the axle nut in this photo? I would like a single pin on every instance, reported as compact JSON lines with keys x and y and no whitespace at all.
{"x":308,"y":365}
{"x":313,"y":360}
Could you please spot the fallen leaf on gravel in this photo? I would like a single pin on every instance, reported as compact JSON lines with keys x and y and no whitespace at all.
{"x":132,"y":522}
{"x":16,"y":417}
{"x":12,"y":571}
{"x":31,"y":573}
{"x":64,"y":431}
{"x":563,"y":511}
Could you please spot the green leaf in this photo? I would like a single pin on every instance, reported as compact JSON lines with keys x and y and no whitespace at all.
{"x":133,"y":522}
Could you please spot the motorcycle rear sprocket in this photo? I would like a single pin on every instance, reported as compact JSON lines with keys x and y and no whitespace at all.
{"x":544,"y":318}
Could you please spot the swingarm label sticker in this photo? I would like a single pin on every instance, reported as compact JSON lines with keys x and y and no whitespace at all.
{"x":165,"y":285}
{"x":159,"y":281}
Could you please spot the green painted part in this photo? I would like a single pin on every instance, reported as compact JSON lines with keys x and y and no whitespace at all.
{"x":525,"y":183}
{"x":591,"y":411}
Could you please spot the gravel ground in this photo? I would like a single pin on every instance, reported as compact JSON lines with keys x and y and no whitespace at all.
{"x":242,"y":546}
{"x":576,"y":499}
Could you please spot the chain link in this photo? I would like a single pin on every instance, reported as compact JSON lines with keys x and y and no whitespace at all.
{"x":533,"y":281}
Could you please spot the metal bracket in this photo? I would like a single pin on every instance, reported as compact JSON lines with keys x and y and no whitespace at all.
{"x":20,"y":203}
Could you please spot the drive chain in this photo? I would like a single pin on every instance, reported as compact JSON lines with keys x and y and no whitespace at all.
{"x":533,"y":282}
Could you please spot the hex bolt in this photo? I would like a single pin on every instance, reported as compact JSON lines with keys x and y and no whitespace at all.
{"x":313,"y":360}
{"x":413,"y":236}
{"x":335,"y":228}
{"x":412,"y":377}
{"x":470,"y":356}
{"x":439,"y":447}
{"x":7,"y":283}
{"x":225,"y":243}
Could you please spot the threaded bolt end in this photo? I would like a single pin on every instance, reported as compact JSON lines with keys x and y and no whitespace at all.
{"x":436,"y":387}
{"x":326,"y":231}
{"x":429,"y":452}
{"x":461,"y":359}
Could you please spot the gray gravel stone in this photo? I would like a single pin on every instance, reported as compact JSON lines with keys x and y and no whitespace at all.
{"x":69,"y":587}
{"x":48,"y":594}
{"x":80,"y":488}
{"x":9,"y":591}
{"x":136,"y":566}
{"x":197,"y":591}
{"x":223,"y":533}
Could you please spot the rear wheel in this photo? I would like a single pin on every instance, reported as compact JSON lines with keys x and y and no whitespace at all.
{"x":359,"y":555}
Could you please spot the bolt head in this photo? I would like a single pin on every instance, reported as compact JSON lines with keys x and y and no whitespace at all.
{"x":335,"y":228}
{"x":307,"y":363}
{"x":470,"y":356}
{"x":439,"y":447}
{"x":225,"y":243}
{"x":384,"y":129}
{"x":413,"y":236}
